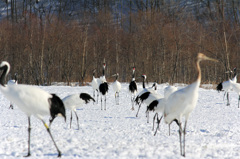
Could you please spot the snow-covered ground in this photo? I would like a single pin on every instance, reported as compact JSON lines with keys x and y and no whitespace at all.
{"x":213,"y":130}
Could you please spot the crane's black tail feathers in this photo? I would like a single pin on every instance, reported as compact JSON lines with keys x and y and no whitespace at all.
{"x":219,"y":87}
{"x":152,"y":105}
{"x":103,"y":87}
{"x":86,"y":97}
{"x":56,"y":107}
{"x":132,"y":86}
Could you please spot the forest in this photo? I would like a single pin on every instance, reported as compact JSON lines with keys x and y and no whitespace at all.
{"x":49,"y":41}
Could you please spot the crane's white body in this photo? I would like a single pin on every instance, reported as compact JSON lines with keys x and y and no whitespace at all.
{"x":72,"y":102}
{"x":12,"y":82}
{"x":30,"y":99}
{"x":236,"y":88}
{"x":181,"y":103}
{"x":95,"y":83}
{"x":116,"y":86}
{"x":75,"y":101}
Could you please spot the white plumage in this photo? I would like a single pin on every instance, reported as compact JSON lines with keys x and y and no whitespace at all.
{"x":32,"y":101}
{"x":117,"y":88}
{"x":236,"y":88}
{"x":226,"y":86}
{"x":182,"y":102}
{"x":95,"y":85}
{"x":11,"y":82}
{"x":74,"y":101}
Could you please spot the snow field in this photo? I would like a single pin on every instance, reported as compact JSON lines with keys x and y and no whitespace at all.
{"x":212,"y":130}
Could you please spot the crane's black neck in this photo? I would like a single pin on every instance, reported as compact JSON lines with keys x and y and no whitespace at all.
{"x":235,"y":72}
{"x":143,"y":82}
{"x":133,"y":75}
{"x":116,"y":76}
{"x":15,"y":77}
{"x":93,"y":73}
{"x":103,"y":71}
{"x":3,"y":76}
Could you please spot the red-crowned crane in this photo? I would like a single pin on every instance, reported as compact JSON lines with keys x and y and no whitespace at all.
{"x":103,"y":87}
{"x":75,"y":101}
{"x":133,"y":88}
{"x":95,"y":85}
{"x":182,"y":102}
{"x":32,"y":101}
{"x":147,"y":95}
{"x":226,"y":86}
{"x":116,"y":88}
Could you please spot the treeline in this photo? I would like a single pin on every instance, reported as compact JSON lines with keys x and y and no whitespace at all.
{"x":63,"y":41}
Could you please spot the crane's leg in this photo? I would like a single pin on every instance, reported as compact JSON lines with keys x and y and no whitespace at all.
{"x":48,"y":130}
{"x":184,"y":134}
{"x":117,"y":98}
{"x":169,"y":129}
{"x":77,"y":119}
{"x":224,"y":95}
{"x":93,"y":94}
{"x":51,"y":120}
{"x":11,"y":105}
{"x":180,"y":135}
{"x":97,"y":95}
{"x":147,"y":115}
{"x":158,"y":123}
{"x":228,"y":99}
{"x":138,"y":109}
{"x":71,"y":120}
{"x":156,"y":115}
{"x":105,"y":99}
{"x":132,"y":100}
{"x":29,"y":138}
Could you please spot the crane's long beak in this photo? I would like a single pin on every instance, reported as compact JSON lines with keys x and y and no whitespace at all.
{"x":211,"y":59}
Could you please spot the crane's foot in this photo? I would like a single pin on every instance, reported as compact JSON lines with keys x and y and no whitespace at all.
{"x":28,"y":155}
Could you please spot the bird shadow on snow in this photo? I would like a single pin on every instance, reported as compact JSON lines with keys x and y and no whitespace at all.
{"x":204,"y":131}
{"x":130,"y":117}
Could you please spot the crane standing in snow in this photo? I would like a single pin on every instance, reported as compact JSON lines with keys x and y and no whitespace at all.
{"x":117,"y":88}
{"x":103,"y":86}
{"x":182,"y":102}
{"x":147,"y":95}
{"x":226,"y":86}
{"x":95,"y":85}
{"x":133,"y":88}
{"x":75,"y":101}
{"x":32,"y":101}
